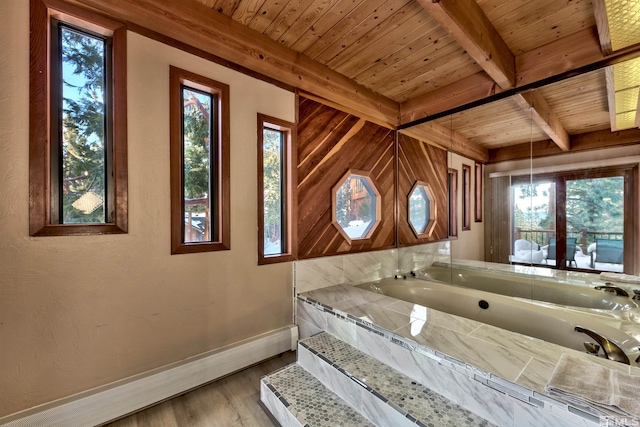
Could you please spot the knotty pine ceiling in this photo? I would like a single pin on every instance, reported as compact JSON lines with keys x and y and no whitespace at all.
{"x":429,"y":55}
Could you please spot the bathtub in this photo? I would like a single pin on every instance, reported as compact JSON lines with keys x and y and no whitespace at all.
{"x":535,"y":320}
{"x":529,"y":287}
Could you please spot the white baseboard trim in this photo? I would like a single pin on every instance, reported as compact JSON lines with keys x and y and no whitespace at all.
{"x":112,"y":401}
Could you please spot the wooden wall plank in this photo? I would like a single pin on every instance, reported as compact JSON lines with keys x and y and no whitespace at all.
{"x":418,"y":161}
{"x":330,"y":143}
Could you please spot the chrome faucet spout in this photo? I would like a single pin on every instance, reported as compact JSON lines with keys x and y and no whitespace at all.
{"x":611,"y":350}
{"x":609,"y":287}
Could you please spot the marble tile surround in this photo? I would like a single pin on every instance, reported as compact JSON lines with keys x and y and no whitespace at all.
{"x":342,"y":313}
{"x":363,"y":267}
{"x":507,"y":393}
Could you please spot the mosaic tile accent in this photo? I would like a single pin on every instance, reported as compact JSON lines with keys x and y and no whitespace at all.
{"x":421,"y":404}
{"x":310,"y":401}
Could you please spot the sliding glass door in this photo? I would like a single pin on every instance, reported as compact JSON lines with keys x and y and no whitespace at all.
{"x":595,"y":218}
{"x":578,"y":220}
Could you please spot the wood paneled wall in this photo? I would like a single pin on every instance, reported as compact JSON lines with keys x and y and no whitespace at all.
{"x":331,"y":142}
{"x":418,"y":161}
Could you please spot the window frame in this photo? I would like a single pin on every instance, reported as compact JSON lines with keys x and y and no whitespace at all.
{"x":289,"y":196}
{"x":377,"y":200}
{"x":430,"y":224}
{"x":41,"y":109}
{"x":478,"y":193}
{"x":220,"y":177}
{"x":452,"y":175}
{"x":466,"y":197}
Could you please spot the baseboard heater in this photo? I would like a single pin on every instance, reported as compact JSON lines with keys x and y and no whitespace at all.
{"x":123,"y":397}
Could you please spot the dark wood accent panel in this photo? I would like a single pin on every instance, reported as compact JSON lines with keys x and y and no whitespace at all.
{"x":418,"y":161}
{"x":331,"y":142}
{"x":497,"y":230}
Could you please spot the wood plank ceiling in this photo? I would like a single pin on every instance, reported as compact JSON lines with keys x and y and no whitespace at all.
{"x":430,"y":56}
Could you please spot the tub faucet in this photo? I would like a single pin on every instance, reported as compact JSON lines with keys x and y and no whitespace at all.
{"x":610,"y":287}
{"x":611,"y":350}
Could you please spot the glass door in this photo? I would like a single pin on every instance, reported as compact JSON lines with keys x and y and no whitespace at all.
{"x":595,"y":223}
{"x":534,"y":223}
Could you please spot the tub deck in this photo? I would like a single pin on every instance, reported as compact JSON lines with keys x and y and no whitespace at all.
{"x":524,"y":361}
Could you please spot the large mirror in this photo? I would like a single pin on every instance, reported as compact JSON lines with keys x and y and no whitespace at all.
{"x":551,"y":219}
{"x":560,"y":189}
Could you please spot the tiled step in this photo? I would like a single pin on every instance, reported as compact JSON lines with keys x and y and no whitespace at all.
{"x":296,"y":398}
{"x":380,"y":393}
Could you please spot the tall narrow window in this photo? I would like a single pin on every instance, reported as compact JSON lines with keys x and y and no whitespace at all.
{"x":199,"y":163}
{"x":478,"y":193}
{"x":78,"y":160}
{"x":466,"y":197}
{"x":276,"y":194}
{"x":453,"y":202}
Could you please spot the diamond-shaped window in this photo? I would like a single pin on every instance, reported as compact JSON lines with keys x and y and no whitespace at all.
{"x":356,"y":206}
{"x":422,"y":209}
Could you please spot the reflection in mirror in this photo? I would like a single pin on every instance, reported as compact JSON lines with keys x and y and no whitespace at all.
{"x":546,"y":205}
{"x":559,"y":200}
{"x":559,"y":207}
{"x":422,"y":209}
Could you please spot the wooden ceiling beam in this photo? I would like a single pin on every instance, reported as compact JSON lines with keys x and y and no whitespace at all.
{"x":558,"y":57}
{"x":470,"y":27}
{"x":611,"y":98}
{"x":544,"y":117}
{"x":602,"y":23}
{"x":582,"y":142}
{"x":199,"y":26}
{"x":472,"y":88}
{"x":442,"y":137}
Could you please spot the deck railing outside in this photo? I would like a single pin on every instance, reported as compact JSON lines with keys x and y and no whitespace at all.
{"x":583,"y":237}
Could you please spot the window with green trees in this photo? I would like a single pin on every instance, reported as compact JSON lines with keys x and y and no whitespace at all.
{"x":78,"y":156}
{"x":199,"y":163}
{"x":276,"y":194}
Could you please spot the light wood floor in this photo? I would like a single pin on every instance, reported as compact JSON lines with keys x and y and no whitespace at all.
{"x":231,"y":401}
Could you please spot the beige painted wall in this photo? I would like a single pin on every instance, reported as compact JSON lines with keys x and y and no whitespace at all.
{"x":470,"y":243}
{"x":80,"y":312}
